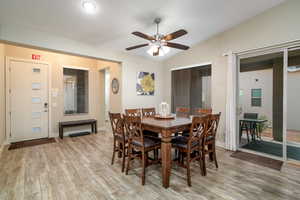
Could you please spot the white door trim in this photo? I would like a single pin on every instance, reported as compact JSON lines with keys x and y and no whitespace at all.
{"x":284,"y":125}
{"x":7,"y":95}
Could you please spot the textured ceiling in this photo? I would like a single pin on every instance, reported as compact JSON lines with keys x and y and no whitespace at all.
{"x":114,"y":20}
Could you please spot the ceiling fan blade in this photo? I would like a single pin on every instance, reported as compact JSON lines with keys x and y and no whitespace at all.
{"x":177,"y":46}
{"x":142,"y":35}
{"x":137,"y":46}
{"x":175,"y":35}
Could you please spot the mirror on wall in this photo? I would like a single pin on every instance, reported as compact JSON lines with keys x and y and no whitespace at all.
{"x":76,"y":94}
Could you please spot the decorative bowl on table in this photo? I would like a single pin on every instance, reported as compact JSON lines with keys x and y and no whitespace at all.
{"x":162,"y":117}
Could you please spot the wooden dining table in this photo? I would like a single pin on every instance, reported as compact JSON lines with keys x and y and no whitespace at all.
{"x":166,"y":128}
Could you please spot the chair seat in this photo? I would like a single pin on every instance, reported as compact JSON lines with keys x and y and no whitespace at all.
{"x":186,"y":133}
{"x":182,"y":142}
{"x":148,"y":142}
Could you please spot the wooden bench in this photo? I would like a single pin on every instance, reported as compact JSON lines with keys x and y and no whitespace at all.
{"x":63,"y":125}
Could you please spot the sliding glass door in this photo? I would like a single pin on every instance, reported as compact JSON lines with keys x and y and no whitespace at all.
{"x":260,"y":104}
{"x":268,"y":103}
{"x":293,"y":104}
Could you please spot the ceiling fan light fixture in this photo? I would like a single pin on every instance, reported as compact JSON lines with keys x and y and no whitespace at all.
{"x":89,"y":6}
{"x":153,"y":48}
{"x":162,"y":50}
{"x":165,"y":49}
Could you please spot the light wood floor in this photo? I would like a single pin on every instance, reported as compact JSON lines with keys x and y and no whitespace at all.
{"x":79,"y":168}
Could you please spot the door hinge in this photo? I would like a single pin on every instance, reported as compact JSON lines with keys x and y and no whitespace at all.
{"x":10,"y":134}
{"x":9,"y":91}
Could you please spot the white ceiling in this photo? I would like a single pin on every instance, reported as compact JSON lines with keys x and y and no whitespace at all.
{"x":114,"y":21}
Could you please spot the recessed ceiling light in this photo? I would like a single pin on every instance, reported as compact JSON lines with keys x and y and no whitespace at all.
{"x":89,"y":6}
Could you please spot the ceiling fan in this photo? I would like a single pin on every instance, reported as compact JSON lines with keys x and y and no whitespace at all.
{"x":159,"y":43}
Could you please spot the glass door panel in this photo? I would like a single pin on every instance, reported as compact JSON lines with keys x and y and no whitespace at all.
{"x":293,"y":105}
{"x":260,"y":104}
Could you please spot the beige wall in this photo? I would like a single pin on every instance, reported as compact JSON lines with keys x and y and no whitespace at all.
{"x":126,"y":73}
{"x":131,"y":64}
{"x":2,"y":97}
{"x":277,"y":25}
{"x":57,"y":61}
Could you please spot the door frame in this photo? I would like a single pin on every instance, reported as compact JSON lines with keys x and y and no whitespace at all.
{"x":284,"y":48}
{"x":253,"y":53}
{"x":176,"y":68}
{"x":8,"y":59}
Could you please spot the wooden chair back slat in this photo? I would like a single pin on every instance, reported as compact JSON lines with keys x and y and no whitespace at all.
{"x":213,"y":124}
{"x":198,"y":111}
{"x":182,"y":112}
{"x":133,"y":127}
{"x":148,"y":112}
{"x":133,"y":112}
{"x":117,"y":124}
{"x":198,"y":129}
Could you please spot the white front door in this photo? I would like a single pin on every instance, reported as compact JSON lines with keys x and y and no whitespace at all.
{"x":28,"y":89}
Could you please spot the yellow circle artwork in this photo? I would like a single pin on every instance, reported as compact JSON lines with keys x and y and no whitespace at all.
{"x":147,"y":84}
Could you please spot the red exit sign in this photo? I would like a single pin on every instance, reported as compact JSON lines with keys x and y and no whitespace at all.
{"x":35,"y":57}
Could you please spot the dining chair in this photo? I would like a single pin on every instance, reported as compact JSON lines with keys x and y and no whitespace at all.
{"x":198,"y":111}
{"x":210,"y":139}
{"x":247,"y":126}
{"x":191,"y":148}
{"x":133,"y":112}
{"x":137,"y":142}
{"x":182,"y":112}
{"x":120,"y":139}
{"x":148,"y":112}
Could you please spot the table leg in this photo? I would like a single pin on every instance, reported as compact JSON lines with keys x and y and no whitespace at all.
{"x":61,"y":132}
{"x":96,"y":130}
{"x":253,"y":131}
{"x":92,"y":127}
{"x":241,"y":132}
{"x":166,"y":148}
